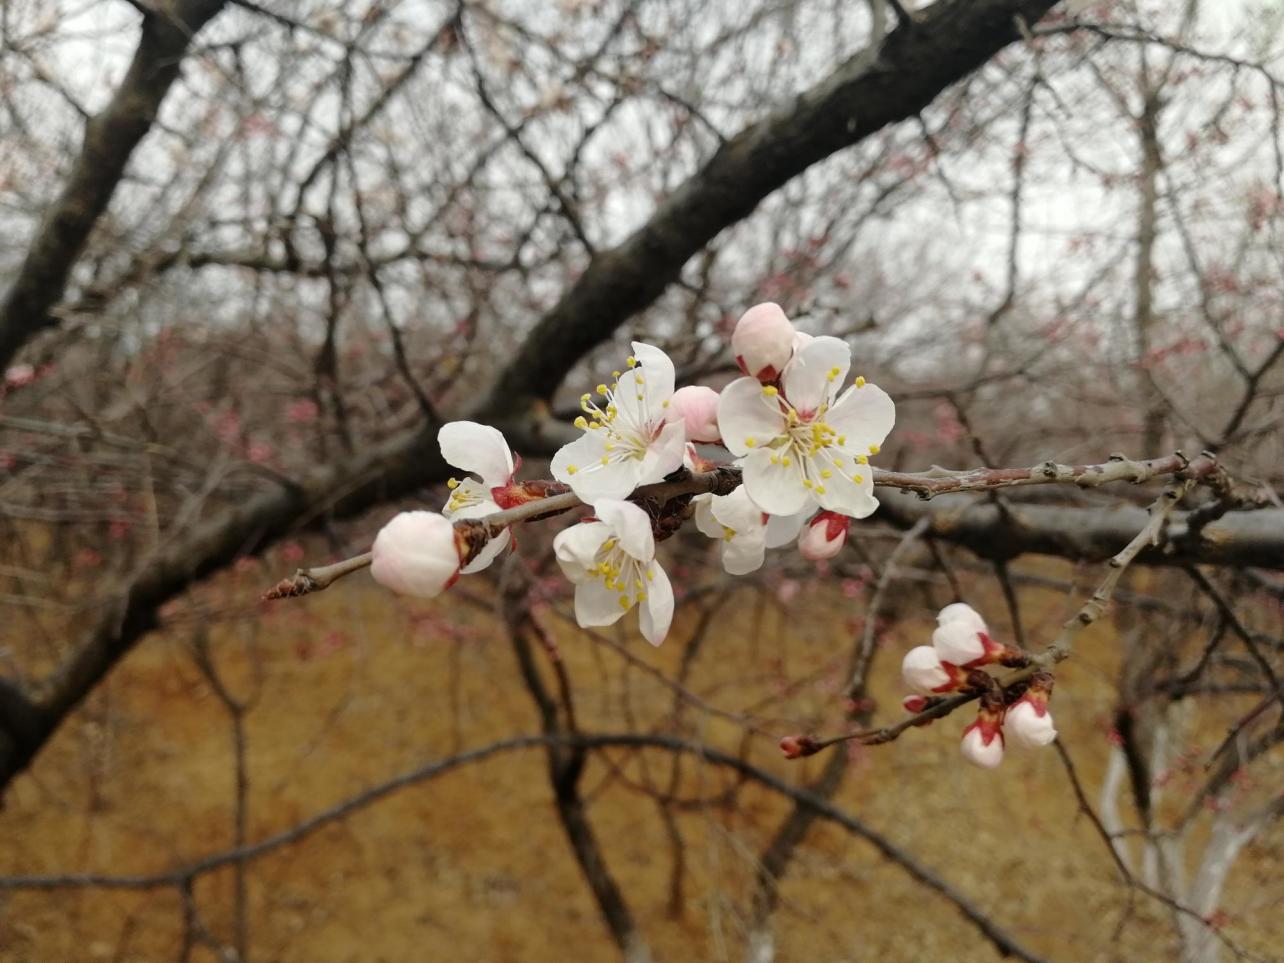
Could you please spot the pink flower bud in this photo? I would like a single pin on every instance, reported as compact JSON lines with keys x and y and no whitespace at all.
{"x":795,"y":747}
{"x":824,"y":536}
{"x":763,"y":341}
{"x":21,"y":375}
{"x":1030,"y":724}
{"x":416,"y":554}
{"x":961,"y":637}
{"x":697,"y":406}
{"x":914,"y":703}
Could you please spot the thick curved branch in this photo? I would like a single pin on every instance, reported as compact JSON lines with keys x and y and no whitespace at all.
{"x":110,"y":139}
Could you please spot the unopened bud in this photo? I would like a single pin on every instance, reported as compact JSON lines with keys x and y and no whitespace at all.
{"x":763,"y":341}
{"x":697,"y":407}
{"x":795,"y":747}
{"x":824,"y":536}
{"x":417,"y":553}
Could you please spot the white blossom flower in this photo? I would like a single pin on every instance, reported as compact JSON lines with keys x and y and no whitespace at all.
{"x":1030,"y":724}
{"x":612,"y":562}
{"x":762,"y":341}
{"x":628,"y":440}
{"x":824,"y":536}
{"x":697,"y":407}
{"x":482,"y":450}
{"x":806,"y":441}
{"x":416,"y":554}
{"x":983,"y":744}
{"x":739,"y":524}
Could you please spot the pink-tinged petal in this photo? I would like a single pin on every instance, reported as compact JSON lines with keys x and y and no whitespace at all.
{"x":921,"y":670}
{"x":1029,"y":728}
{"x":816,"y":373}
{"x":762,"y":341}
{"x":962,"y":612}
{"x":777,"y":487}
{"x":958,"y":642}
{"x":630,"y":524}
{"x":980,"y":752}
{"x":824,"y":537}
{"x":783,"y":529}
{"x":747,"y":419}
{"x":864,"y":417}
{"x":655,"y":615}
{"x":596,"y":605}
{"x":696,"y":406}
{"x":844,"y":495}
{"x":576,"y":548}
{"x":657,"y":371}
{"x":415,"y":554}
{"x":479,"y":449}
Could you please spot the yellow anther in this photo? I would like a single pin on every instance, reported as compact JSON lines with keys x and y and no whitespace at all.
{"x":785,"y":461}
{"x":750,"y":442}
{"x":770,"y":391}
{"x":637,"y":583}
{"x":584,"y":398}
{"x":571,"y":469}
{"x":582,"y":423}
{"x":820,"y":489}
{"x":807,"y":483}
{"x":601,"y":389}
{"x":632,"y":361}
{"x":664,"y":404}
{"x":453,"y":483}
{"x":639,"y":397}
{"x":860,"y":382}
{"x":842,"y":440}
{"x":610,"y":447}
{"x":863,"y":459}
{"x":858,"y":479}
{"x":775,"y":459}
{"x":624,"y":601}
{"x":615,"y":375}
{"x":605,"y":460}
{"x":833,"y":374}
{"x":873,"y":449}
{"x":826,"y":473}
{"x":650,"y":575}
{"x":641,"y":596}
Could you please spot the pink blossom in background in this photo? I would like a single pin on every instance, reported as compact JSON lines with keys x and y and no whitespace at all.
{"x":302,"y":411}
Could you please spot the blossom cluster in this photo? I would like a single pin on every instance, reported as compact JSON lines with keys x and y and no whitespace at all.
{"x":961,"y":644}
{"x":800,"y":433}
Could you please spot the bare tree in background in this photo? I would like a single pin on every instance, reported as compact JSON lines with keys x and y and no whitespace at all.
{"x":256,"y":255}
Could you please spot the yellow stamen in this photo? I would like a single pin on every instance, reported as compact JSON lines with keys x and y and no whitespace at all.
{"x":770,"y":391}
{"x":453,"y":483}
{"x":860,"y":382}
{"x":582,"y":423}
{"x":750,"y":442}
{"x":571,"y":469}
{"x":873,"y":449}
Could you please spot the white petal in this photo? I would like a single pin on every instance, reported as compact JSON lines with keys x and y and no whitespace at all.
{"x":630,"y":524}
{"x":783,"y":529}
{"x":778,"y":488}
{"x":811,"y":378}
{"x":490,"y":551}
{"x":592,"y":480}
{"x":705,"y":522}
{"x":576,"y":548}
{"x":738,"y":511}
{"x":962,"y":612}
{"x":854,"y":499}
{"x":657,"y":370}
{"x":479,"y":449}
{"x":664,"y":455}
{"x":655,"y":615}
{"x":744,"y":413}
{"x":595,"y":604}
{"x":958,"y":643}
{"x":865,"y":416}
{"x":744,"y":553}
